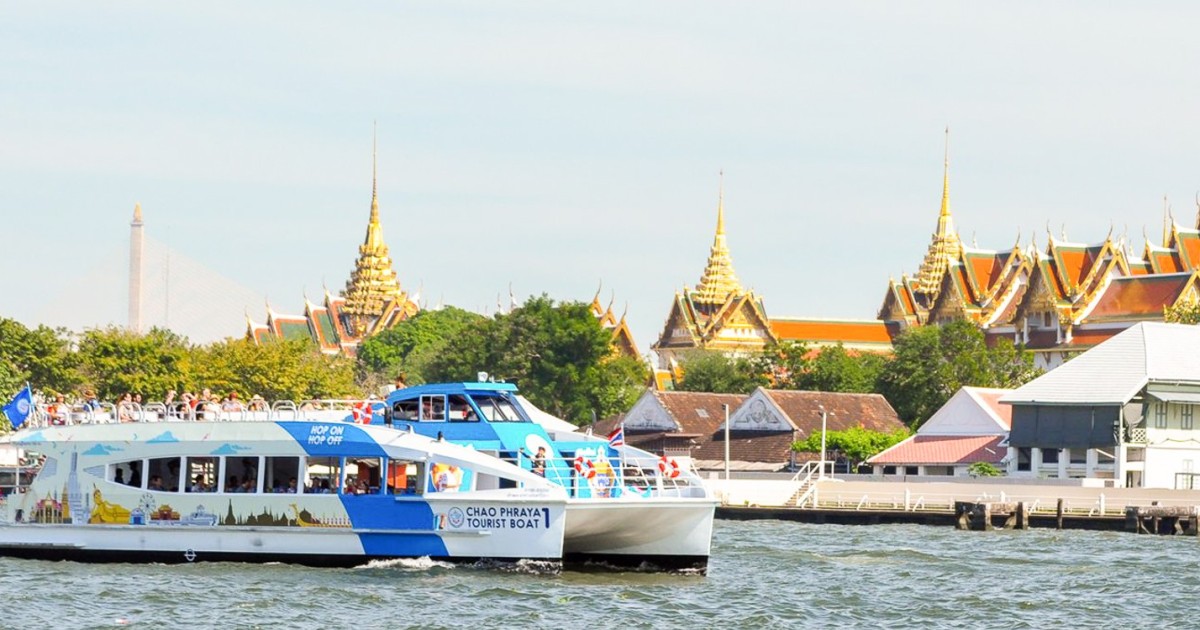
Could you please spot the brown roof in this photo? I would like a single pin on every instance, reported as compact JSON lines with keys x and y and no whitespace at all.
{"x":693,"y":412}
{"x":1139,"y":297}
{"x":748,"y":446}
{"x":869,"y":411}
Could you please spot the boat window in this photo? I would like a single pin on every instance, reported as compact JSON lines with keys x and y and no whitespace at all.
{"x":162,"y":474}
{"x":242,"y":474}
{"x":282,"y":475}
{"x":497,"y":409}
{"x":202,"y":474}
{"x":446,"y":477}
{"x":128,"y":473}
{"x":405,"y":410}
{"x":363,"y":475}
{"x":461,"y":410}
{"x":403,"y":477}
{"x":433,"y":407}
{"x":322,"y":475}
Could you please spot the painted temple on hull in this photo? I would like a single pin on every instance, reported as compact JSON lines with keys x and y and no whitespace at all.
{"x":1056,"y":301}
{"x":371,"y":302}
{"x":720,"y":315}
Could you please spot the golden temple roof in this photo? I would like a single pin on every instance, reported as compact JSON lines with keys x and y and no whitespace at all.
{"x":373,"y":283}
{"x":719,"y":279}
{"x":946,"y":245}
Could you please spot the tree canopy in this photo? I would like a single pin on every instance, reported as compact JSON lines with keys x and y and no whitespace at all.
{"x":409,"y":346}
{"x":709,"y":371}
{"x":856,"y":443}
{"x":557,"y":353}
{"x":930,"y":363}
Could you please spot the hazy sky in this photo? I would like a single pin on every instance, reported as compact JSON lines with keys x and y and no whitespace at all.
{"x":557,"y":145}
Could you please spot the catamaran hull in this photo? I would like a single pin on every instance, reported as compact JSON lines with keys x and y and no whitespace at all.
{"x":674,"y":534}
{"x":308,"y":546}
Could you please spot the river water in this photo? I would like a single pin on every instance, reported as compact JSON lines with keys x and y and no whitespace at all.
{"x":762,"y":574}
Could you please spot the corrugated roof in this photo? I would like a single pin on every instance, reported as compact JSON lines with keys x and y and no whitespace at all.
{"x":943,"y":450}
{"x":1114,"y":371}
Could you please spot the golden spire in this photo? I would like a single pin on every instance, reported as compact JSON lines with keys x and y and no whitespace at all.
{"x":373,"y":283}
{"x":719,"y":279}
{"x":945,"y":246}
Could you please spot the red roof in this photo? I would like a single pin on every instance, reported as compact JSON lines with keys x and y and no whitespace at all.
{"x":943,"y":450}
{"x":1139,"y":296}
{"x":849,"y":332}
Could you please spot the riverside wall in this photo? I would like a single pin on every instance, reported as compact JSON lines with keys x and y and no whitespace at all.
{"x":923,"y":495}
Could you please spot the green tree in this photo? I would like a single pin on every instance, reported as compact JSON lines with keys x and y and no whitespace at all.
{"x":282,"y":369}
{"x":834,"y":369}
{"x":930,"y":363}
{"x":983,"y":469}
{"x":856,"y":443}
{"x":114,"y":361}
{"x":558,"y":354}
{"x":410,"y":345}
{"x":42,"y":356}
{"x":712,"y":371}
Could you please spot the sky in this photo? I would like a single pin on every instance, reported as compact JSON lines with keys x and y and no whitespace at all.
{"x":560,"y":147}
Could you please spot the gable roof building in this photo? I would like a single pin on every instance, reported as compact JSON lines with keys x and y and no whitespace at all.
{"x":1124,"y":410}
{"x":969,"y":428}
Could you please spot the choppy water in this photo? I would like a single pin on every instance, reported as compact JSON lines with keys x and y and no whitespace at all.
{"x":762,"y":574}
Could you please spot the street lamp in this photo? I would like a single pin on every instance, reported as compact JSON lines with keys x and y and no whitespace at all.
{"x":824,"y":421}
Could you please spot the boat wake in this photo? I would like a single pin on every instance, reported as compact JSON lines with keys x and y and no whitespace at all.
{"x":407,"y":564}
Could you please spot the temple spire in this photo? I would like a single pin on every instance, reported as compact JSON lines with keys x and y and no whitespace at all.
{"x":719,"y":279}
{"x":373,"y":283}
{"x":946,"y":176}
{"x":945,"y":246}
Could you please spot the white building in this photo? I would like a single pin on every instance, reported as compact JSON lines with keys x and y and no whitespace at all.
{"x":969,"y":428}
{"x":1123,"y":411}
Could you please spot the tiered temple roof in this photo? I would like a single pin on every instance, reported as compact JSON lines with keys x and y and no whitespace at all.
{"x":372,"y":301}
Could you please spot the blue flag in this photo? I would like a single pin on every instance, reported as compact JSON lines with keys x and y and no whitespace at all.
{"x":20,"y":407}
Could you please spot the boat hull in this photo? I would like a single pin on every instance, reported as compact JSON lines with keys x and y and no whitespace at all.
{"x":668,"y":533}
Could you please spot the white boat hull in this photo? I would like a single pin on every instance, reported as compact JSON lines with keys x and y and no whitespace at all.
{"x":673,"y":533}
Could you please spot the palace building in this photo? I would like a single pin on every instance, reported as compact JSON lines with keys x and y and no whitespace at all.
{"x":371,"y":302}
{"x":719,"y":314}
{"x":1056,"y":302}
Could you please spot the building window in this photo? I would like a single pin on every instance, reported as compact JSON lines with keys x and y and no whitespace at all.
{"x":1187,"y":417}
{"x":1160,"y":415}
{"x":1049,"y":456}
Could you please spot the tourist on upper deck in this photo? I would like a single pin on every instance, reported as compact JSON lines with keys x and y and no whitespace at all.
{"x":399,"y":382}
{"x":257,"y":403}
{"x":232,"y":403}
{"x":90,"y":402}
{"x":125,"y":409}
{"x":58,"y":411}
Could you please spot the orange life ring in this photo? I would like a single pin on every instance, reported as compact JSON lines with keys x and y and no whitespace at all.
{"x":585,"y":467}
{"x":668,"y":467}
{"x":362,"y":412}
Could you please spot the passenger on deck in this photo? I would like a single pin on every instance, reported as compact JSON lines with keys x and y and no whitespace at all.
{"x":257,"y":403}
{"x":125,"y":408}
{"x":58,"y":411}
{"x":539,"y":462}
{"x":232,"y":404}
{"x":90,"y":402}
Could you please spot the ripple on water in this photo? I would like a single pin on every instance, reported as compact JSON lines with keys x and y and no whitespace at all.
{"x":763,"y":573}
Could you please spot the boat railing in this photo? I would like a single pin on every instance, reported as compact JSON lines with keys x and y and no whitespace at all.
{"x":156,"y":411}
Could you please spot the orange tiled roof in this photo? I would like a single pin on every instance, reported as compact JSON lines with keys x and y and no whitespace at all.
{"x":943,"y":450}
{"x":845,"y":331}
{"x":1139,"y":297}
{"x":1187,"y":243}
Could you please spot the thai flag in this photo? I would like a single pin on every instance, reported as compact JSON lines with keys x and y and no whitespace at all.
{"x":20,"y":407}
{"x":617,"y":437}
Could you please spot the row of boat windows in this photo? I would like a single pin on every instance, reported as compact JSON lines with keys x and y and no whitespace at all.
{"x":275,"y":475}
{"x":455,"y":408}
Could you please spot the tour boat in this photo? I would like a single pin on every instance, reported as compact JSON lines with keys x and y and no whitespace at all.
{"x":308,"y":491}
{"x":625,"y":506}
{"x":451,"y":471}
